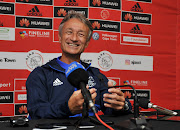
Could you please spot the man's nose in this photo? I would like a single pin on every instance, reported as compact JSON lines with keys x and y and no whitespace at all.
{"x":74,"y":37}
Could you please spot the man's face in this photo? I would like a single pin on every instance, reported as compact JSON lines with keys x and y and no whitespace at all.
{"x":74,"y":37}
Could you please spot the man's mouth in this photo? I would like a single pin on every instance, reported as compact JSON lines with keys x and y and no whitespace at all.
{"x":75,"y":45}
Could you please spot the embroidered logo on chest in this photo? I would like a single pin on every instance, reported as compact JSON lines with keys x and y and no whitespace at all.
{"x":57,"y":82}
{"x":91,"y":82}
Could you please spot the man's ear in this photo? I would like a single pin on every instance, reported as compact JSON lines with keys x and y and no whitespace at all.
{"x":59,"y":38}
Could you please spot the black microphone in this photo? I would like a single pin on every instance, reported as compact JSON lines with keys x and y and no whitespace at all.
{"x":78,"y":77}
{"x":145,"y":103}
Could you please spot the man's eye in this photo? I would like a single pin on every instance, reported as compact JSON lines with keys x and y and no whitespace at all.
{"x":81,"y":35}
{"x":69,"y":32}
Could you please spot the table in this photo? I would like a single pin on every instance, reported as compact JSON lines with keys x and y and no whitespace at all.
{"x":156,"y":124}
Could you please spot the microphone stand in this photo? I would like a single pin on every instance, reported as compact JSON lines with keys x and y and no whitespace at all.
{"x":85,"y":119}
{"x":137,"y":122}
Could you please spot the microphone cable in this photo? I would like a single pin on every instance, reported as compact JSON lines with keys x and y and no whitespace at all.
{"x":102,"y":122}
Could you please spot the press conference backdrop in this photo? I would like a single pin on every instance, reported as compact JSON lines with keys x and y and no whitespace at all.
{"x":135,"y":42}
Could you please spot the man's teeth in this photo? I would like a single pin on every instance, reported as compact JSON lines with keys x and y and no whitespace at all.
{"x":72,"y":44}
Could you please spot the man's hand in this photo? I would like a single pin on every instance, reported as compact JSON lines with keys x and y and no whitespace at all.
{"x":76,"y":100}
{"x":115,"y":98}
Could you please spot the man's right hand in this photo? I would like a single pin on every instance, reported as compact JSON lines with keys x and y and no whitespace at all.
{"x":76,"y":100}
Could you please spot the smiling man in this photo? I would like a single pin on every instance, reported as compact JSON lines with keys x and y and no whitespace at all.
{"x":50,"y":95}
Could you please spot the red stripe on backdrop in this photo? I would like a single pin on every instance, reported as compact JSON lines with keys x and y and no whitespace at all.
{"x":7,"y":109}
{"x":5,"y":21}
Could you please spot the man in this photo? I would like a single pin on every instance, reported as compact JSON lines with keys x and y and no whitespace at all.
{"x":50,"y":95}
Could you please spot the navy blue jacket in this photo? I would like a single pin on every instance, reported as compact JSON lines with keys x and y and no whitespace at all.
{"x":48,"y":91}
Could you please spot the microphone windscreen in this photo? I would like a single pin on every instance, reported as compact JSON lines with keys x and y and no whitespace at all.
{"x":143,"y":102}
{"x":76,"y":73}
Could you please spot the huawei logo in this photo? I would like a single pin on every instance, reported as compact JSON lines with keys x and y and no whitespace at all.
{"x":96,"y":25}
{"x":23,"y":22}
{"x":127,"y":94}
{"x":98,"y":2}
{"x":23,"y":109}
{"x":61,"y":12}
{"x":128,"y":17}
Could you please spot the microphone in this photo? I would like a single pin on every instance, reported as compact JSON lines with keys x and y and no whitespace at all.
{"x":145,"y":103}
{"x":78,"y":77}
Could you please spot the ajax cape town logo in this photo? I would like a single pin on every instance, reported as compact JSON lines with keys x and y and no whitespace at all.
{"x":34,"y":59}
{"x":105,"y":60}
{"x":105,"y":14}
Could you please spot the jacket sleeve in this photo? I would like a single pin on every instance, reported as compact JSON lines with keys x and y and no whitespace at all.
{"x":38,"y":98}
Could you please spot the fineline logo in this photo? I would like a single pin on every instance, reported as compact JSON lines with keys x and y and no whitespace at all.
{"x":126,"y":82}
{"x":23,"y":34}
{"x":34,"y":12}
{"x":23,"y":22}
{"x":137,"y":8}
{"x":96,"y":25}
{"x":61,"y":12}
{"x":96,"y":2}
{"x":71,"y":3}
{"x":136,"y":30}
{"x":128,"y":17}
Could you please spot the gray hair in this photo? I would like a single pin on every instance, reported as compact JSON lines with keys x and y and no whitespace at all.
{"x":72,"y":14}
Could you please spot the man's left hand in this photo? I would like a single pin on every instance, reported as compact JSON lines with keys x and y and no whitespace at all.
{"x":115,"y":98}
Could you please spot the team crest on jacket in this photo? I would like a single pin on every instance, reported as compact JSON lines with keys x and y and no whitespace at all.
{"x":91,"y":82}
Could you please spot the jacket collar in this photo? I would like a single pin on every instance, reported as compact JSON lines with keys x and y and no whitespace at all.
{"x":59,"y":67}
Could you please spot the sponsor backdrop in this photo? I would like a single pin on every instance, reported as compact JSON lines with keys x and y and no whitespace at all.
{"x":134,"y":42}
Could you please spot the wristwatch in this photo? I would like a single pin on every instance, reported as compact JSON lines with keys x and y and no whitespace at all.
{"x":126,"y":106}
